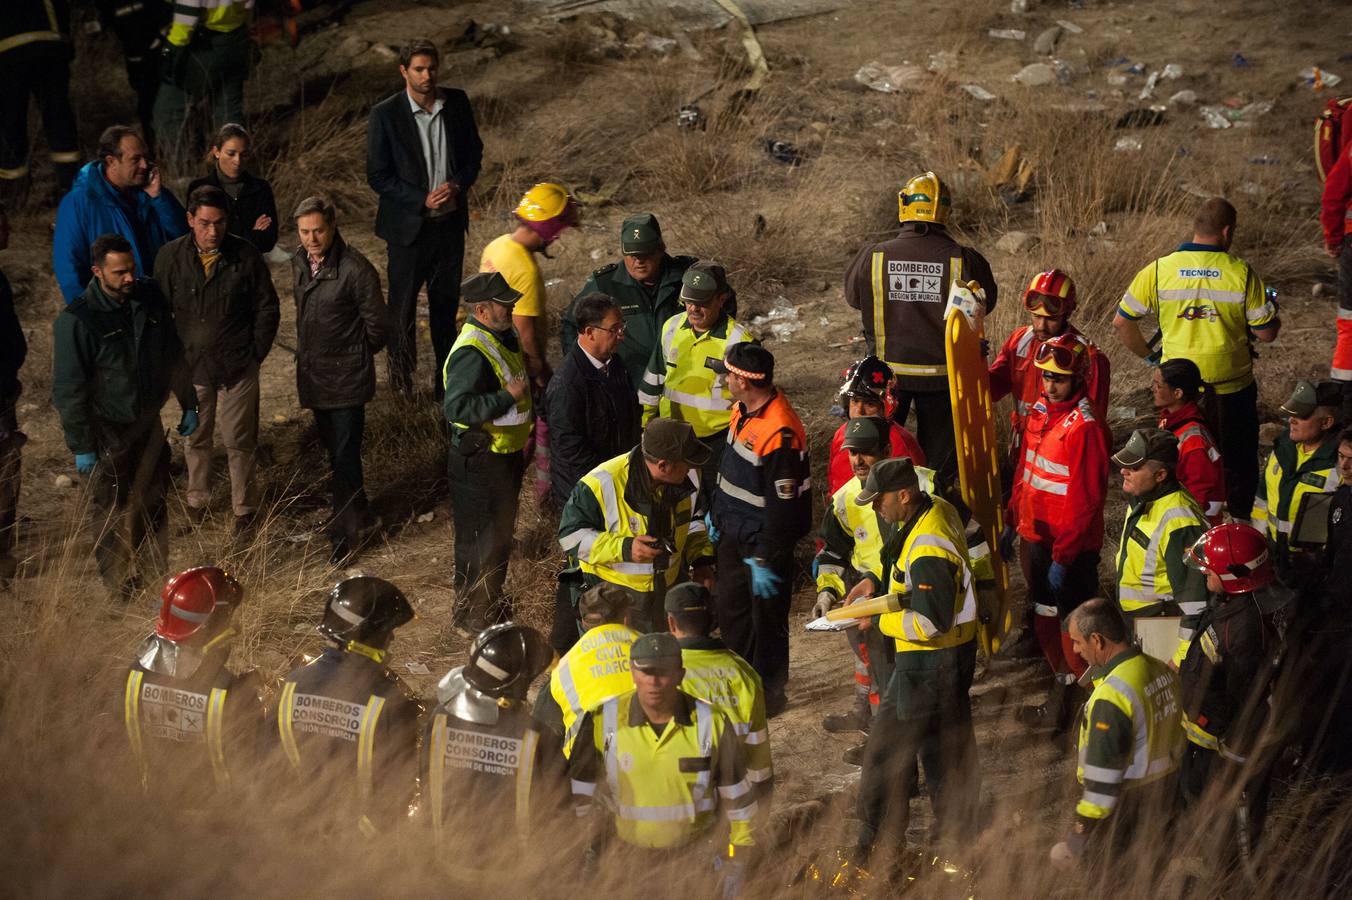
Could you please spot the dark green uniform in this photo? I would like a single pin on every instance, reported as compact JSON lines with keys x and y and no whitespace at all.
{"x":644,"y":308}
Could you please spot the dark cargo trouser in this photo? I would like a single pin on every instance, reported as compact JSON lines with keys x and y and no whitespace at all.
{"x":485,"y":492}
{"x":129,"y":513}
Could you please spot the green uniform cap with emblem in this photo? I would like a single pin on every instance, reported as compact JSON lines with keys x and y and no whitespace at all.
{"x":866,"y":433}
{"x":485,"y":287}
{"x":658,"y":651}
{"x":640,"y":234}
{"x":888,"y":475}
{"x":1148,"y":445}
{"x":703,"y":281}
{"x":1307,"y":397}
{"x":688,"y":597}
{"x":603,"y":603}
{"x":672,"y":440}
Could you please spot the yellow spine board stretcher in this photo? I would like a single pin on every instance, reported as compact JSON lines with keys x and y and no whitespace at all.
{"x":863,"y":609}
{"x":969,"y":391}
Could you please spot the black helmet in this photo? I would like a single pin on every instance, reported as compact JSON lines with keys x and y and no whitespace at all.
{"x":868,"y":377}
{"x":504,"y":659}
{"x":364,"y":609}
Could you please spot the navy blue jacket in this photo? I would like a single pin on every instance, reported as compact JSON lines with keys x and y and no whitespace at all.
{"x":397,"y":170}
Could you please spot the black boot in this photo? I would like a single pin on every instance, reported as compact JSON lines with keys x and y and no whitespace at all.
{"x":1057,"y":712}
{"x":857,"y":719}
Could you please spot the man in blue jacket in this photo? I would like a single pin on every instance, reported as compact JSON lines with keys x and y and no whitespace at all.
{"x":118,"y":193}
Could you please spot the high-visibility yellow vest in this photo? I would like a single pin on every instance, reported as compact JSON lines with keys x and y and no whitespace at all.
{"x":1206,"y":300}
{"x":180,"y":715}
{"x":661,"y":801}
{"x":939,"y":533}
{"x":510,"y":430}
{"x":595,"y":669}
{"x":862,"y":523}
{"x":602,"y":553}
{"x":1146,"y":692}
{"x":214,"y":15}
{"x":1142,"y":574}
{"x":727,"y":681}
{"x":689,"y":390}
{"x":1289,"y":475}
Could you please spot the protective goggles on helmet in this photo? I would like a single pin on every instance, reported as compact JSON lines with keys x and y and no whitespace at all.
{"x":1063,"y":359}
{"x":1047,"y":305}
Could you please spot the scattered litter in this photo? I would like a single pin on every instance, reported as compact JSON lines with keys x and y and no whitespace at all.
{"x":1121,"y":413}
{"x":781,"y":321}
{"x":1019,"y":7}
{"x":690,"y":116}
{"x":1252,"y":188}
{"x":942,"y":61}
{"x":1012,"y":175}
{"x":857,"y":339}
{"x":783,"y":152}
{"x":1321,"y":291}
{"x":63,"y":482}
{"x":661,"y":45}
{"x":1016,"y":242}
{"x":1317,"y":78}
{"x":1100,"y":229}
{"x":1008,"y":34}
{"x":426,"y":517}
{"x":1215,"y":116}
{"x":1036,"y":75}
{"x":1045,"y":43}
{"x":979,"y":92}
{"x":1144,"y":117}
{"x":302,"y":628}
{"x":597,"y":253}
{"x":1256,"y":108}
{"x":417,"y":668}
{"x":1239,"y":62}
{"x":1149,"y":88}
{"x":890,"y":79}
{"x":1264,"y":160}
{"x":1136,"y":69}
{"x":1128,"y":144}
{"x":303,"y":537}
{"x":1069,"y":26}
{"x":823,"y":321}
{"x":1173,"y":72}
{"x":1114,"y":63}
{"x":1183,"y":98}
{"x":279,"y":419}
{"x":1064,"y":74}
{"x":553,"y":281}
{"x":1233,"y":102}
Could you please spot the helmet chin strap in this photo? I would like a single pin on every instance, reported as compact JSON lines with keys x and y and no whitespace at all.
{"x":369,"y":652}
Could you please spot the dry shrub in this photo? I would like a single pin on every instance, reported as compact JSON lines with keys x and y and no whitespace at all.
{"x":324,"y":151}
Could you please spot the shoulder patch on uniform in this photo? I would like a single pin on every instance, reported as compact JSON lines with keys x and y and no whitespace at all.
{"x":786,"y":488}
{"x":1102,"y":726}
{"x":606,"y":269}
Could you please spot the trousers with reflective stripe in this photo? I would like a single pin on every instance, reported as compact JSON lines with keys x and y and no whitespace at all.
{"x":510,"y":430}
{"x":1146,"y":692}
{"x":725,"y":680}
{"x":1142,"y":571}
{"x":593,"y":670}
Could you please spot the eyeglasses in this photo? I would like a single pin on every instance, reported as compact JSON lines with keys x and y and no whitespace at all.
{"x":618,"y":330}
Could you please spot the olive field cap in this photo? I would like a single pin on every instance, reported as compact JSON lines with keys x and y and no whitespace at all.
{"x":672,"y":440}
{"x":1148,"y":445}
{"x":703,"y":281}
{"x":1307,"y":397}
{"x":640,"y":234}
{"x":603,"y":603}
{"x":888,"y":475}
{"x":687,"y":597}
{"x":869,"y":433}
{"x":748,"y":360}
{"x":483,"y":287}
{"x":655,"y":651}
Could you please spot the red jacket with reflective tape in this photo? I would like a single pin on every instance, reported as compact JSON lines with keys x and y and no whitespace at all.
{"x":1062,"y":478}
{"x":1336,"y":205}
{"x":1013,"y":372}
{"x":1199,"y":468}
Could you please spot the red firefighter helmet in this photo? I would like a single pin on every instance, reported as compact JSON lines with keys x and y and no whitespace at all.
{"x":1051,"y":294}
{"x":1237,"y":554}
{"x":1065,"y":354}
{"x":192,"y":598}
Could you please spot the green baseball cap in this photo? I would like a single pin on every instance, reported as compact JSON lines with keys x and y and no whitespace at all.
{"x":868,"y":433}
{"x":1148,"y":445}
{"x":655,"y":651}
{"x":673,"y":440}
{"x":888,"y":475}
{"x":703,"y":281}
{"x":603,"y":603}
{"x":1307,"y":397}
{"x":482,"y":287}
{"x":640,"y":234}
{"x":688,"y":597}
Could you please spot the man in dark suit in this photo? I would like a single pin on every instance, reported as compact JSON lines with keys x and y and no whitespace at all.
{"x":422,"y":155}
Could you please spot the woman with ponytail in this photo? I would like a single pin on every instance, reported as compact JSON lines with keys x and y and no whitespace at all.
{"x":1177,"y":390}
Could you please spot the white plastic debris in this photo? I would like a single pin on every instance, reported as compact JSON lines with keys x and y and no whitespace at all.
{"x":660,"y":44}
{"x":979,"y":92}
{"x":597,"y":253}
{"x":1070,"y":26}
{"x":890,"y":79}
{"x":1184,"y":98}
{"x":942,"y":61}
{"x":1128,"y":144}
{"x":1215,"y":116}
{"x":1256,"y":109}
{"x":1173,"y":72}
{"x":1325,"y":78}
{"x":1036,"y":75}
{"x":426,"y":517}
{"x":781,"y":321}
{"x":1008,"y":34}
{"x":417,"y":668}
{"x":1149,"y":88}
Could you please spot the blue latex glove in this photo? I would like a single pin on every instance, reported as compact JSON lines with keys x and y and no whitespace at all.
{"x":764,"y":582}
{"x":84,"y":462}
{"x":733,"y":877}
{"x":710,"y":529}
{"x":1153,"y":360}
{"x":188,"y":424}
{"x":1056,"y":577}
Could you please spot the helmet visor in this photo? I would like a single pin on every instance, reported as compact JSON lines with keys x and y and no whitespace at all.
{"x":1045,"y":305}
{"x":1056,"y":357}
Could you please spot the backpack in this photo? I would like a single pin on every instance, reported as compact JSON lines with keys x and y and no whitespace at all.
{"x":1332,"y":134}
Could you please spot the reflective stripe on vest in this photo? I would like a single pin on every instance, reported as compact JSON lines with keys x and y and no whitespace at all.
{"x":741,"y":470}
{"x":593,"y":670}
{"x":370,"y":718}
{"x":727,"y":682}
{"x":1201,"y":304}
{"x":1280,"y":511}
{"x":1143,"y":573}
{"x":937,"y":533}
{"x":691,"y":391}
{"x":510,"y":430}
{"x":214,"y":728}
{"x":436,"y":776}
{"x":131,"y":716}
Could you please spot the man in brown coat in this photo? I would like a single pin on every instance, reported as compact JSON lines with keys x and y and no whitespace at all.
{"x":340,"y":326}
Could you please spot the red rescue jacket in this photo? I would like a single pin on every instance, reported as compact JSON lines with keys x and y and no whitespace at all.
{"x":1336,"y":205}
{"x":1013,"y":372}
{"x":1199,"y":467}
